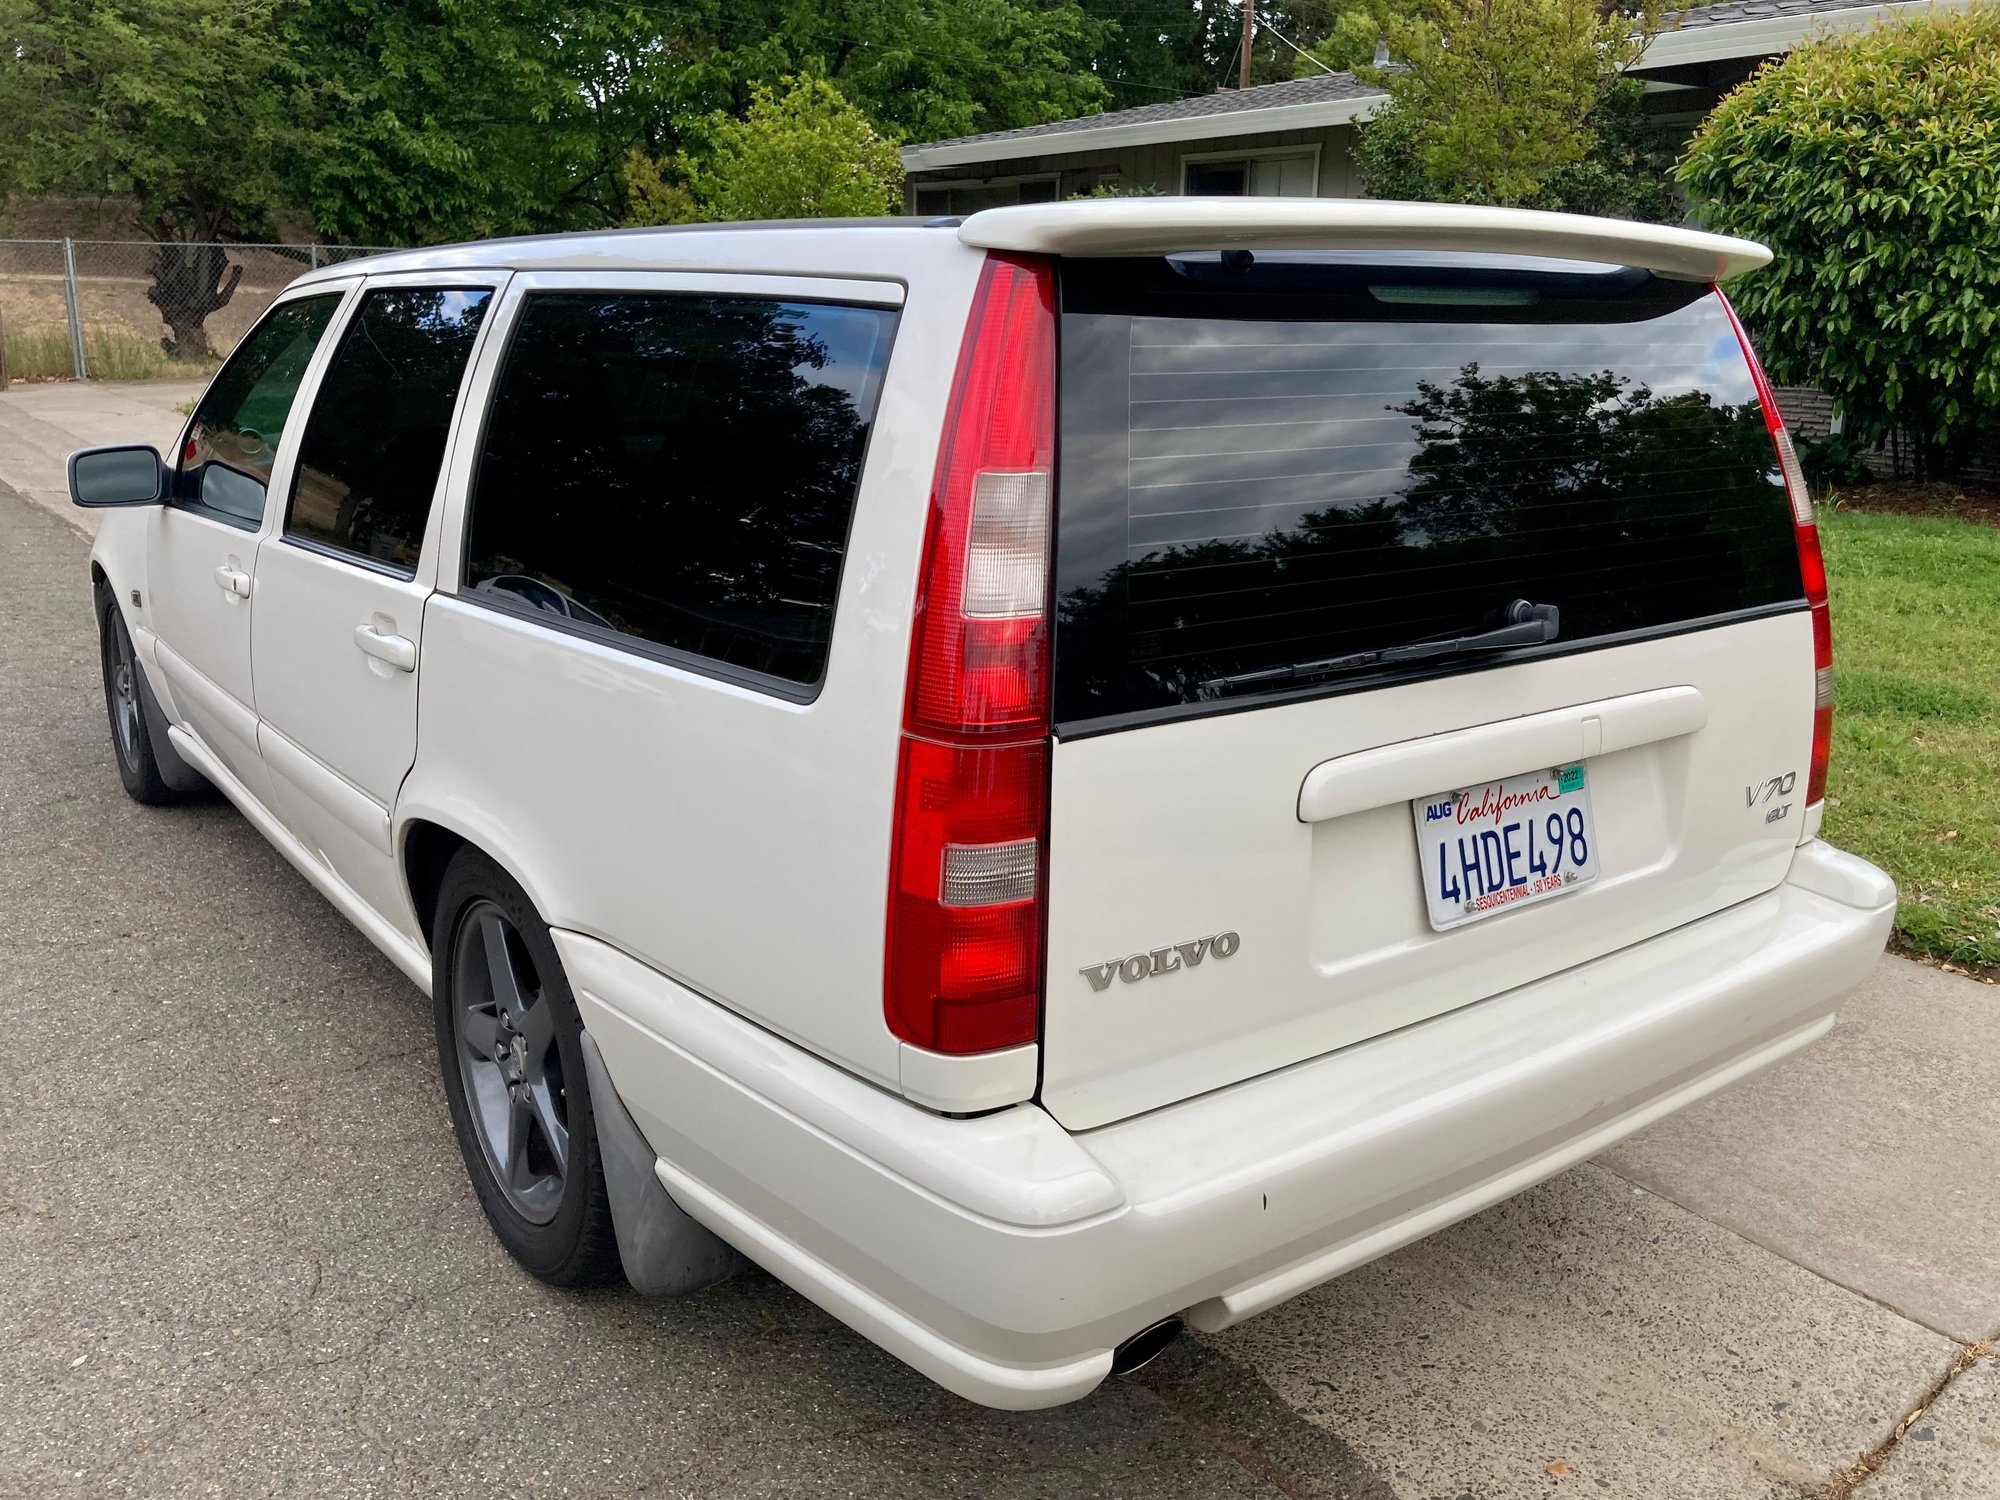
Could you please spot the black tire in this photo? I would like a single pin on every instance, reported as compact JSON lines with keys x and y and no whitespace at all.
{"x":519,"y":1096}
{"x":124,"y":705}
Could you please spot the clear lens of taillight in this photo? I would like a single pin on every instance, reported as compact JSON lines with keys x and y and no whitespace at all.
{"x":1007,"y":554}
{"x":1812,"y":566}
{"x":969,"y":851}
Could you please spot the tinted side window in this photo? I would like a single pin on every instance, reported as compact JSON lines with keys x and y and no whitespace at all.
{"x":679,"y":469}
{"x":369,"y":460}
{"x":233,"y":440}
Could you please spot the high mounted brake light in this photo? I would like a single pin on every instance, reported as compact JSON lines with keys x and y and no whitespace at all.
{"x":969,"y":851}
{"x":1812,"y":565}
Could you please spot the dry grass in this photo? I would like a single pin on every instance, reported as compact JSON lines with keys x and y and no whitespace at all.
{"x":44,"y":354}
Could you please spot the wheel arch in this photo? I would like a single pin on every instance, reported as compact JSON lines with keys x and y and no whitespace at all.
{"x":118,"y":556}
{"x":428,"y":839}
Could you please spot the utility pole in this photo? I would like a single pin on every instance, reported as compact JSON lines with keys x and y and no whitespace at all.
{"x":1249,"y":35}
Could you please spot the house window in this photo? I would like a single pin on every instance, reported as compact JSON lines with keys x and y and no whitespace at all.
{"x":1252,"y":174}
{"x":970,"y":197}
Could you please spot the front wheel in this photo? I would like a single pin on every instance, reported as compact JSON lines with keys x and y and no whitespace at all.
{"x":511,"y":1051}
{"x":124,"y":702}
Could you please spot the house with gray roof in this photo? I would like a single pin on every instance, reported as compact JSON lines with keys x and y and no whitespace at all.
{"x":1295,"y":139}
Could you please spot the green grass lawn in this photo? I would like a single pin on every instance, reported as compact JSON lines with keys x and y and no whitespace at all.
{"x":1915,"y":784}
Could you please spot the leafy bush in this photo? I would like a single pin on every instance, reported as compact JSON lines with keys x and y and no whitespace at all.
{"x":1831,"y":460}
{"x":1109,"y":189}
{"x":805,"y":153}
{"x":1870,"y":164}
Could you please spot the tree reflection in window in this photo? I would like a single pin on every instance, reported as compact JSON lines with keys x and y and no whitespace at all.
{"x":1626,"y":509}
{"x":680,"y":469}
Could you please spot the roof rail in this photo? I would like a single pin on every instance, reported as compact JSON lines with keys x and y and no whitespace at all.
{"x":1160,"y":226}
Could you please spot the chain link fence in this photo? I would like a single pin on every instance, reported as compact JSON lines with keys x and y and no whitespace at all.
{"x":138,"y":309}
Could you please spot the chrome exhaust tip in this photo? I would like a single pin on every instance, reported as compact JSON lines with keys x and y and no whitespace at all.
{"x":1145,"y":1346}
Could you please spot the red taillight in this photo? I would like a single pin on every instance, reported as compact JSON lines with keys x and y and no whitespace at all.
{"x":1812,"y":565}
{"x":967,"y":865}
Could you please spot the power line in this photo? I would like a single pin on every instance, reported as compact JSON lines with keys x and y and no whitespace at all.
{"x":1330,"y":72}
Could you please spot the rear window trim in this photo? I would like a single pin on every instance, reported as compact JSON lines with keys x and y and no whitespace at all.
{"x":1368,"y":682}
{"x":632,"y":645}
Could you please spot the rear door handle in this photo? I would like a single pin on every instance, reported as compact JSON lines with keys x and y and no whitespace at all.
{"x":233,"y":580}
{"x":399,"y":651}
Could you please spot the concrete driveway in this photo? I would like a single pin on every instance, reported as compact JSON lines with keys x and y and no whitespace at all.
{"x":238,"y":1255}
{"x":43,"y":422}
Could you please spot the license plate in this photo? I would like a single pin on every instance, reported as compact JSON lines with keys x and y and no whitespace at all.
{"x":1492,"y":848}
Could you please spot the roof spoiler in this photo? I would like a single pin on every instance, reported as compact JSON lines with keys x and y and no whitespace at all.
{"x":1161,"y":226}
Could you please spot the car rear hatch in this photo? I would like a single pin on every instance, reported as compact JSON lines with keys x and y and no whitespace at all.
{"x":1425,"y":623}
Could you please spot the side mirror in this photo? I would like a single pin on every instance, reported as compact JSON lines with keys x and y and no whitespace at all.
{"x":128,"y":475}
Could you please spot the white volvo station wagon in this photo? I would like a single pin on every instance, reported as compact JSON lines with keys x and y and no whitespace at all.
{"x":1047,"y":777}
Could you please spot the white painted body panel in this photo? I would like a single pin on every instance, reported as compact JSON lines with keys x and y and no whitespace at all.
{"x":1006,"y":1257}
{"x":338,"y":729}
{"x":1290,"y":825}
{"x":714,"y":861}
{"x":203,"y":631}
{"x":337,"y":725}
{"x":193,"y":633}
{"x":732,"y":838}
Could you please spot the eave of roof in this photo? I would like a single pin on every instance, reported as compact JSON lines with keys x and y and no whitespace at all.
{"x":1298,"y":104}
{"x":1764,"y":28}
{"x":1734,"y":29}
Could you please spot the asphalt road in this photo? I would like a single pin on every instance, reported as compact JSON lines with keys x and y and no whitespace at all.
{"x":238,"y":1255}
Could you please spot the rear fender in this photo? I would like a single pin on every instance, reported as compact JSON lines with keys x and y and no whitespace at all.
{"x":429,"y":800}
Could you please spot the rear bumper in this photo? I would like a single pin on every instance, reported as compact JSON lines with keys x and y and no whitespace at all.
{"x":1006,"y":1257}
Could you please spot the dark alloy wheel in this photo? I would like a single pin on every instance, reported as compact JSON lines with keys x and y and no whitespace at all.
{"x":121,"y":691}
{"x":510,"y":1048}
{"x":512,"y":1072}
{"x":125,"y":705}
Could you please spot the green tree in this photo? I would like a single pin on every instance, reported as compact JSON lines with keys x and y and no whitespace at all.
{"x":1152,"y":51}
{"x":805,"y":153}
{"x":172,"y":103}
{"x":1494,"y":101}
{"x":1626,"y":173}
{"x":1870,"y":164}
{"x":1353,"y":30}
{"x":918,"y":69}
{"x":371,"y":121}
{"x":411,"y":121}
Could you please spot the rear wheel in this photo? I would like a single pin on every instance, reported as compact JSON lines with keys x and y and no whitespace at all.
{"x":510,"y":1047}
{"x":131,"y":739}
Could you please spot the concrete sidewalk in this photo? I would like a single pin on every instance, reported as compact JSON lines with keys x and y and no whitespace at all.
{"x":238,"y":1255}
{"x":42,"y":423}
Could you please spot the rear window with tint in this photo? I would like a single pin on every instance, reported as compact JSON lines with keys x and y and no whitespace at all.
{"x":1296,"y":460}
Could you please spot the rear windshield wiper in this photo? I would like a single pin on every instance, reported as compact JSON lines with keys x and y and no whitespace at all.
{"x":1527,"y":625}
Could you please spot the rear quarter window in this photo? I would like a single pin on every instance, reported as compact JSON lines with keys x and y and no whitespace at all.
{"x":678,"y":472}
{"x":1302,"y":460}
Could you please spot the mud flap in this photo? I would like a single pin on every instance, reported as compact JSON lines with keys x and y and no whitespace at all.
{"x":174,"y":771}
{"x":665,"y":1253}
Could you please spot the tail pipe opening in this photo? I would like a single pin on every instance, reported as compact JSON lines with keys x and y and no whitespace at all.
{"x":1145,"y":1346}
